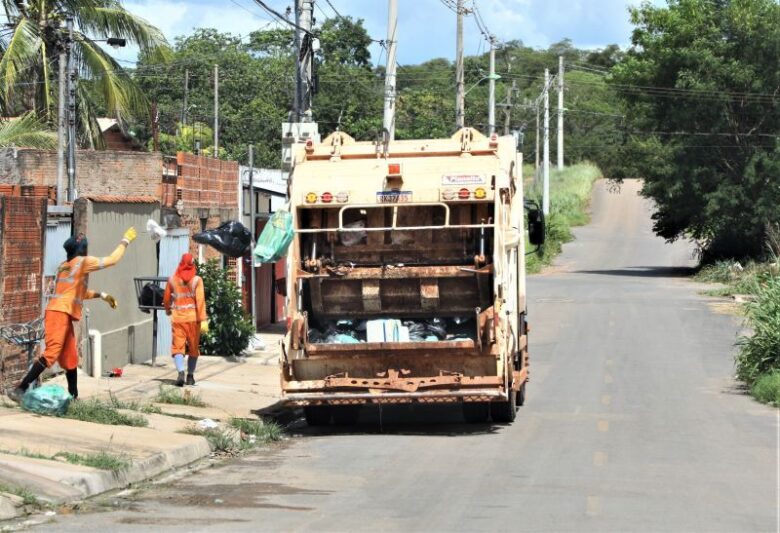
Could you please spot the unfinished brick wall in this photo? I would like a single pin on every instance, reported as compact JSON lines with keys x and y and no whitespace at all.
{"x":98,"y":172}
{"x":22,"y":234}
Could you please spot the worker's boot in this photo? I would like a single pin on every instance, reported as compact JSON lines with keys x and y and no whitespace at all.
{"x":180,"y":379}
{"x":192,"y":362}
{"x":73,"y":382}
{"x":36,"y":370}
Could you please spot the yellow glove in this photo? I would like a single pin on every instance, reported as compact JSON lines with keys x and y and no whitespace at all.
{"x":110,"y":300}
{"x":130,"y":235}
{"x":204,"y":327}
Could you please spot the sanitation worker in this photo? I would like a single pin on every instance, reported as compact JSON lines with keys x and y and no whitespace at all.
{"x":64,"y":309}
{"x":185,"y":303}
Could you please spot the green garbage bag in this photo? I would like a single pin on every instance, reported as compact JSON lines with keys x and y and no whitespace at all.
{"x":47,"y":400}
{"x":276,"y":238}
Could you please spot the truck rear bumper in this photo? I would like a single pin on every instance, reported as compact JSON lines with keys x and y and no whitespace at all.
{"x":353,"y":398}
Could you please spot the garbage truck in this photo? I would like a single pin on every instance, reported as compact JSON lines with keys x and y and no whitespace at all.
{"x":406,"y":276}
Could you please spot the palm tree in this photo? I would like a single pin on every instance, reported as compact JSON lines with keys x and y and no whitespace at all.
{"x":28,"y":131}
{"x":30,"y":47}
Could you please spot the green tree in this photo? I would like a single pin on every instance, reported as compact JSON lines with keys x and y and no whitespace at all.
{"x":700,"y":85}
{"x":30,"y":57}
{"x":230,"y":329}
{"x":28,"y":131}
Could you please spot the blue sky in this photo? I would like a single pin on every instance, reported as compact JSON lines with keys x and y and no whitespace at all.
{"x":426,"y":27}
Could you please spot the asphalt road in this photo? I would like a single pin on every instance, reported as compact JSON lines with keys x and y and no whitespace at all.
{"x":632,"y":423}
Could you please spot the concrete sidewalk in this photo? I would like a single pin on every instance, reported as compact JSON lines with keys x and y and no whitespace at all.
{"x":31,"y":445}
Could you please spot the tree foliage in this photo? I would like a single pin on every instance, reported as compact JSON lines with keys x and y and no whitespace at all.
{"x":30,"y":50}
{"x":700,"y":85}
{"x":230,"y":330}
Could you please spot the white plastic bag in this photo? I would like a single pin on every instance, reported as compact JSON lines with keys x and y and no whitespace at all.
{"x":155,"y":231}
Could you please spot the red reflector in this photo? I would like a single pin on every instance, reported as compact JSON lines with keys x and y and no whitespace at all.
{"x":326,"y":197}
{"x":309,"y":143}
{"x":394,"y":169}
{"x":464,"y":194}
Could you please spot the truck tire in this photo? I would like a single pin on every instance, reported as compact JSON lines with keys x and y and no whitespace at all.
{"x":346,"y":415}
{"x":521,"y":395}
{"x":476,"y":412}
{"x":504,"y":412}
{"x":317,"y":415}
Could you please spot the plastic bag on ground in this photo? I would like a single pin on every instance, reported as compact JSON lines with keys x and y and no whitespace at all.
{"x":231,"y":238}
{"x":275,"y":238}
{"x":47,"y":400}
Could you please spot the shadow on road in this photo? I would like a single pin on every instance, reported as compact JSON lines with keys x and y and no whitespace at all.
{"x":644,"y":272}
{"x":424,"y":420}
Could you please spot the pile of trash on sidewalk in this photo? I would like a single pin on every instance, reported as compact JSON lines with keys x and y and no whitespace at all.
{"x":348,"y":331}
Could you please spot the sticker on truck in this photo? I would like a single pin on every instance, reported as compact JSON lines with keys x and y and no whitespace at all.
{"x":463,"y":179}
{"x":393,"y":197}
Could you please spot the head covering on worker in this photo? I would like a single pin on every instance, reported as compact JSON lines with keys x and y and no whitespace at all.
{"x":75,"y":246}
{"x":186,"y":270}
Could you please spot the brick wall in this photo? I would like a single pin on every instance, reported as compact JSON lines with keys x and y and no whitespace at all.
{"x":22,"y":234}
{"x":207,"y":183}
{"x":98,"y":172}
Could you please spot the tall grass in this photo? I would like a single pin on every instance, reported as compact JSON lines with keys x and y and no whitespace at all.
{"x":99,"y":412}
{"x":736,"y":278}
{"x":759,"y":353}
{"x":570,"y":191}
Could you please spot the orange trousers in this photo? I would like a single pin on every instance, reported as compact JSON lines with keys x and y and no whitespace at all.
{"x":60,"y":340}
{"x":186,"y":338}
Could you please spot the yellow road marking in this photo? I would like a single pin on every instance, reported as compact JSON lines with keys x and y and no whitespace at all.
{"x":599,"y":458}
{"x":592,"y":506}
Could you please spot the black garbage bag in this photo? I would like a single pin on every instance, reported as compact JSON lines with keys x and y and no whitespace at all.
{"x":231,"y":238}
{"x":151,"y":296}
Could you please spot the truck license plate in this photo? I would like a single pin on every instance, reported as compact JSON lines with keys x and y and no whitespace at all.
{"x":394,"y":197}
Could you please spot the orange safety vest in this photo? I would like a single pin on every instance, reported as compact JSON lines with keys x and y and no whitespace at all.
{"x":182,"y":298}
{"x":71,"y":288}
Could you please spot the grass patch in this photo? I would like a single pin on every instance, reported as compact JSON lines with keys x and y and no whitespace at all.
{"x":736,"y":277}
{"x":766,"y":388}
{"x":25,"y":494}
{"x":256,"y":431}
{"x":759,"y":353}
{"x":570,"y":191}
{"x":175,"y":396}
{"x":134,"y":405}
{"x":220,"y":440}
{"x":99,"y":412}
{"x":102,"y":460}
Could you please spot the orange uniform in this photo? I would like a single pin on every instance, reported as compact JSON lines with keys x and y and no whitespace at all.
{"x":65,"y":305}
{"x":186,"y":303}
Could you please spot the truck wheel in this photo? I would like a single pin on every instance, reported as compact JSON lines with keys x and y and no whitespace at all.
{"x":504,"y":412}
{"x":476,"y":412}
{"x":317,"y":415}
{"x":521,"y":395}
{"x":346,"y":415}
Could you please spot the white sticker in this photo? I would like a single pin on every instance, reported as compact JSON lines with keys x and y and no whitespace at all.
{"x":463,"y":179}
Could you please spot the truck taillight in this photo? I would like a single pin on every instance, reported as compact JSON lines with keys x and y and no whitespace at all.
{"x":342,"y":197}
{"x":464,"y":194}
{"x":480,"y":193}
{"x":311,"y":198}
{"x":326,"y":197}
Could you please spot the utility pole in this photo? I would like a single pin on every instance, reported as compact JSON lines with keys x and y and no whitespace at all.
{"x":71,"y":76}
{"x":184,"y":103}
{"x":492,"y":90}
{"x":546,"y":185}
{"x":155,"y":127}
{"x":304,"y":14}
{"x":536,"y":152}
{"x":460,"y":95}
{"x":216,"y":111}
{"x":508,"y":106}
{"x":252,"y":226}
{"x":61,"y":128}
{"x":560,"y":112}
{"x":392,"y":26}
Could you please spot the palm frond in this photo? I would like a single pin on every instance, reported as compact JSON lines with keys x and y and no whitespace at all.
{"x":113,"y":20}
{"x":121,"y":95}
{"x":27,"y":130}
{"x":18,"y":55}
